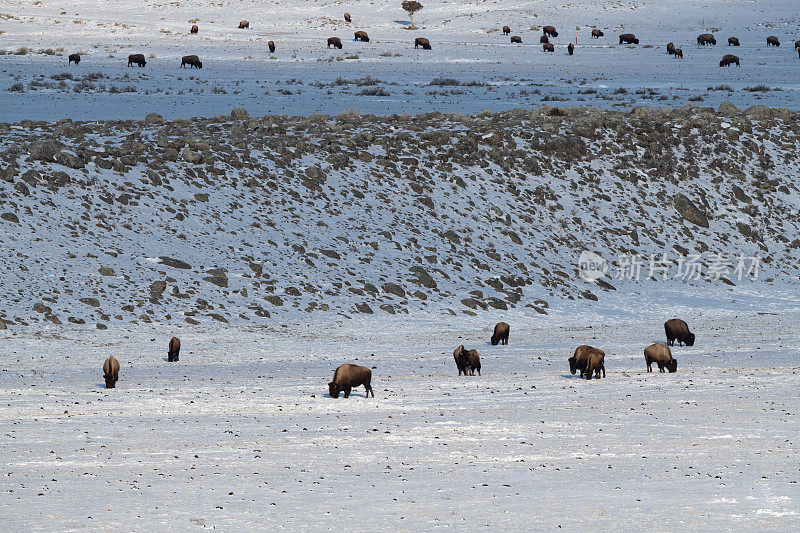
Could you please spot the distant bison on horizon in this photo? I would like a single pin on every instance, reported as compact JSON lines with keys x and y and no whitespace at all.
{"x":74,"y":58}
{"x":506,"y":30}
{"x":423,"y":42}
{"x":662,"y":356}
{"x":348,"y":376}
{"x":194,"y":29}
{"x":550,"y":30}
{"x":773,"y":41}
{"x":111,"y":372}
{"x":361,"y":36}
{"x":733,"y":41}
{"x":729,"y":59}
{"x":244,"y":25}
{"x":596,"y":34}
{"x":174,"y":350}
{"x":193,"y":61}
{"x":271,"y":46}
{"x":548,"y":47}
{"x":516,"y":39}
{"x":628,"y":38}
{"x":706,"y":39}
{"x":335,"y":42}
{"x":677,"y":329}
{"x":136,"y":59}
{"x":500,"y":334}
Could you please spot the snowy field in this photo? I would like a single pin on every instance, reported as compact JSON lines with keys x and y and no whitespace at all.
{"x":240,"y":434}
{"x":472,"y":66}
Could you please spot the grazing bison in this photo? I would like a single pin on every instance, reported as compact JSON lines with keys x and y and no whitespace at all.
{"x":670,"y":48}
{"x":467,"y":361}
{"x":733,"y":41}
{"x":516,"y":39}
{"x":347,"y":17}
{"x":706,"y":38}
{"x":193,"y":61}
{"x":773,"y":41}
{"x":550,"y":30}
{"x":271,"y":46}
{"x":348,"y":376}
{"x":596,"y":34}
{"x":677,"y":329}
{"x":628,"y":38}
{"x":194,"y":29}
{"x":244,"y":25}
{"x":548,"y":47}
{"x":544,"y":39}
{"x":111,"y":372}
{"x":729,"y":59}
{"x":136,"y":59}
{"x":797,"y":45}
{"x":578,"y":360}
{"x":678,"y":53}
{"x":506,"y":30}
{"x":335,"y":42}
{"x":423,"y":42}
{"x":74,"y":58}
{"x":662,"y":356}
{"x":500,"y":334}
{"x":361,"y":36}
{"x":570,"y":48}
{"x":174,"y":350}
{"x":595,"y":363}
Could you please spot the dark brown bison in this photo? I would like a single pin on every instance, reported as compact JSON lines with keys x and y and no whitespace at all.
{"x":361,"y":36}
{"x":194,"y":29}
{"x":423,"y":42}
{"x":271,"y":46}
{"x":733,"y":41}
{"x":347,"y":17}
{"x":797,"y":45}
{"x":706,"y":38}
{"x":628,"y":38}
{"x":348,"y":376}
{"x":676,"y":329}
{"x":544,"y":39}
{"x":467,"y":361}
{"x":111,"y":372}
{"x":516,"y":39}
{"x":678,"y":53}
{"x":596,"y":34}
{"x":580,"y":358}
{"x":500,"y":334}
{"x":595,"y":363}
{"x":244,"y":25}
{"x":662,"y":356}
{"x":729,"y":59}
{"x":74,"y":58}
{"x":174,"y":350}
{"x":550,"y":30}
{"x":335,"y":42}
{"x":193,"y":61}
{"x":670,"y":48}
{"x":548,"y":47}
{"x":571,"y":48}
{"x":136,"y":59}
{"x":506,"y":30}
{"x":773,"y":41}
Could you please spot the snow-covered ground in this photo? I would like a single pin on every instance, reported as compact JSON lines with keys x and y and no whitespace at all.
{"x":302,"y":77}
{"x":240,"y":434}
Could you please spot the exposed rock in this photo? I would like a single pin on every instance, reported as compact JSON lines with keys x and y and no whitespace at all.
{"x":94,"y":302}
{"x":153,"y":118}
{"x":240,"y":114}
{"x":393,"y":288}
{"x":689,"y":212}
{"x":174,"y":263}
{"x":157,"y":288}
{"x":45,"y":150}
{"x":10,"y":217}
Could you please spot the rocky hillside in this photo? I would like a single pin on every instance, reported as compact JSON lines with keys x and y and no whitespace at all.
{"x":243,"y":220}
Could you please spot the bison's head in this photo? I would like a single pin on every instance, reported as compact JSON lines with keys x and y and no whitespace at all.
{"x":334,"y":389}
{"x":573,"y":364}
{"x":495,"y":340}
{"x":199,"y":64}
{"x":690,"y":339}
{"x":673,"y":366}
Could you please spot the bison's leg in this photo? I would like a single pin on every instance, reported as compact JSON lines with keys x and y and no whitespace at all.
{"x":604,"y":370}
{"x":347,"y":392}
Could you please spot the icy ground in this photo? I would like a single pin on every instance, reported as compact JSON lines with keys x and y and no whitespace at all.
{"x":481,"y":68}
{"x":240,"y":434}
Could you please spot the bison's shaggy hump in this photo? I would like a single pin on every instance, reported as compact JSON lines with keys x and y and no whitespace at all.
{"x":516,"y":39}
{"x":347,"y":17}
{"x":677,"y":329}
{"x":500,"y":334}
{"x":662,"y":356}
{"x":348,"y":376}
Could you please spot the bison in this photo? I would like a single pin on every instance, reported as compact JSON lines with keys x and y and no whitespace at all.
{"x":361,"y":36}
{"x":193,"y":61}
{"x":595,"y":363}
{"x":506,"y":30}
{"x":773,"y":41}
{"x":136,"y":59}
{"x":579,"y":358}
{"x":423,"y":42}
{"x":516,"y":39}
{"x":548,"y":47}
{"x":676,"y":329}
{"x":550,"y":30}
{"x":500,"y":334}
{"x":335,"y":42}
{"x":797,"y":45}
{"x":347,"y":17}
{"x":670,"y":48}
{"x":271,"y":46}
{"x":678,"y":53}
{"x":348,"y":376}
{"x":662,"y":356}
{"x":729,"y":59}
{"x":570,"y":48}
{"x":544,"y":39}
{"x":596,"y":34}
{"x":111,"y":372}
{"x":194,"y":29}
{"x":628,"y":38}
{"x":74,"y":58}
{"x":174,"y":350}
{"x":733,"y":41}
{"x":244,"y":25}
{"x":706,"y":38}
{"x":467,"y":361}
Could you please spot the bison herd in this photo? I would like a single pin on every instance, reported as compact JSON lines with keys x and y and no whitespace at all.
{"x":590,"y":361}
